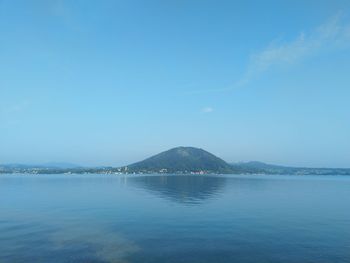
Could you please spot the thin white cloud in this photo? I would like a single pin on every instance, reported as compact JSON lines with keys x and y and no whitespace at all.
{"x":207,"y":110}
{"x":64,"y":11}
{"x":15,"y":108}
{"x":330,"y":36}
{"x":10,"y":114}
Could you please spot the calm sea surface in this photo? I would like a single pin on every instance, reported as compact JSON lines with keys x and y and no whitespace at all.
{"x":94,"y":218}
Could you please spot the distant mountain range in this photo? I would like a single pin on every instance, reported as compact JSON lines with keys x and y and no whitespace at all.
{"x":54,"y":165}
{"x":263,"y":168}
{"x":180,"y":160}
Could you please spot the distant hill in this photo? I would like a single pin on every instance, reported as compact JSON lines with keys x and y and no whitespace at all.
{"x":255,"y":167}
{"x":61,"y":165}
{"x":264,"y":168}
{"x":182,"y":159}
{"x":51,"y":165}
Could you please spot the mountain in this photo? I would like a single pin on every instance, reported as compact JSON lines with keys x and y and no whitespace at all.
{"x":264,"y":168}
{"x":256,"y":165}
{"x":15,"y":166}
{"x":182,"y":160}
{"x":51,"y":165}
{"x":61,"y":165}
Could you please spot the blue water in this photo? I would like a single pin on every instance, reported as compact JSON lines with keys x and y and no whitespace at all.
{"x":94,"y":218}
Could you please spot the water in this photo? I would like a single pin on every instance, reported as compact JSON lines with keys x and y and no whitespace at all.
{"x":94,"y":218}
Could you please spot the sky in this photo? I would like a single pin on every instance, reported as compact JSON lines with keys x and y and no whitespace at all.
{"x":113,"y":82}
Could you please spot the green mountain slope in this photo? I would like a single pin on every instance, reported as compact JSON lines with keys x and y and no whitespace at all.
{"x":182,"y":159}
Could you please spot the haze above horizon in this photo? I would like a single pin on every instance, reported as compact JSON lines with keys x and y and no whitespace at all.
{"x":114,"y":82}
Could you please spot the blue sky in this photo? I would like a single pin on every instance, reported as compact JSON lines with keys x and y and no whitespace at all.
{"x":112,"y":82}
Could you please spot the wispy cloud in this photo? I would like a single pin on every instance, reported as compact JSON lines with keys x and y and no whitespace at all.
{"x":10,"y":114}
{"x":207,"y":110}
{"x":64,"y":11}
{"x":15,"y":108}
{"x":330,"y":36}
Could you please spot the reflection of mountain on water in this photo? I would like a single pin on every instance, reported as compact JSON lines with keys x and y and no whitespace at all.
{"x":190,"y":189}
